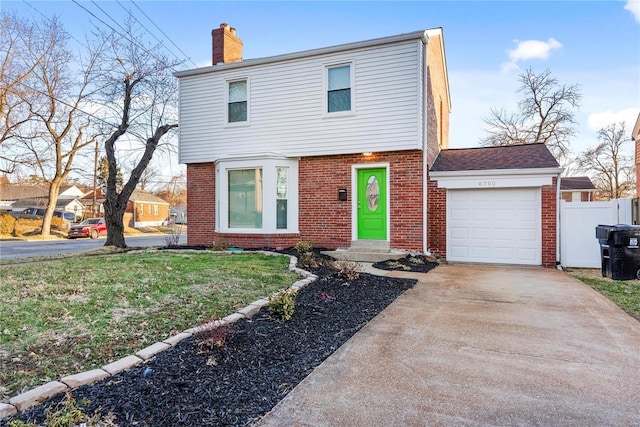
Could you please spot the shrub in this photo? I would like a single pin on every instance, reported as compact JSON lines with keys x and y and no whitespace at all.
{"x":24,"y":226}
{"x":398,"y":265}
{"x":303,"y":247}
{"x":172,"y":238}
{"x":7,"y":223}
{"x":58,"y":223}
{"x":213,"y":334}
{"x":220,"y":245}
{"x":283,"y":303}
{"x":309,"y":260}
{"x":68,"y":413}
{"x":346,"y":269}
{"x":415,"y":260}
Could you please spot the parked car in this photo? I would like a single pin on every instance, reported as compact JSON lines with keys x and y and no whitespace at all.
{"x":38,"y":213}
{"x":30,"y":213}
{"x":91,"y":227}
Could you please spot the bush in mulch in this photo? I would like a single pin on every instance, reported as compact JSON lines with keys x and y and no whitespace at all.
{"x":414,"y":263}
{"x":236,"y":383}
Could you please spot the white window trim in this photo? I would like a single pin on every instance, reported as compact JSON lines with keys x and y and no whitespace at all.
{"x":325,"y":89}
{"x":226,"y":102}
{"x":269,"y":195}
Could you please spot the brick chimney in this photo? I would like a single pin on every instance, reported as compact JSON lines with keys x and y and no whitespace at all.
{"x":226,"y":46}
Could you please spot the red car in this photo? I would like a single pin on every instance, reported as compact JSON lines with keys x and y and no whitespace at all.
{"x":91,"y":227}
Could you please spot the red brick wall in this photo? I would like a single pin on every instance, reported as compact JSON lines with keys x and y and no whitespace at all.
{"x":201,"y":180}
{"x":323,"y":218}
{"x":437,"y":218}
{"x":549,"y":225}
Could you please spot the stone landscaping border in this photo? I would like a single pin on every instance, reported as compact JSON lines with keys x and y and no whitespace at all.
{"x":44,"y":392}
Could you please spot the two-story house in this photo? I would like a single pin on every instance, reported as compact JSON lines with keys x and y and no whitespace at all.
{"x":346,"y":146}
{"x":329,"y":145}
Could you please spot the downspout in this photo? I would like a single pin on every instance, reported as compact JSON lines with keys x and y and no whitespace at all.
{"x":558,"y":235}
{"x":425,"y":149}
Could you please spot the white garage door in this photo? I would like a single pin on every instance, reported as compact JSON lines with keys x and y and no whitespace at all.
{"x":499,"y":226}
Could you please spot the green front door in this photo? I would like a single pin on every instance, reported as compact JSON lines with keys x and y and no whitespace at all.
{"x":372,"y":204}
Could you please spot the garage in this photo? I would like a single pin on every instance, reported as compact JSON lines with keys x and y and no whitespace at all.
{"x":501,"y":226}
{"x":495,"y":205}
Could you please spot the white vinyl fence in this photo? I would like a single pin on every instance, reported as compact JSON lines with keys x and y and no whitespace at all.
{"x":578,"y":220}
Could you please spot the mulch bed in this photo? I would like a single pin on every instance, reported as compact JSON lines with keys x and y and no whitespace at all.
{"x":413,"y":263}
{"x":262,"y":360}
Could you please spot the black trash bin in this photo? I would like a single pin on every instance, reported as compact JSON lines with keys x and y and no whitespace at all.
{"x":619,"y":251}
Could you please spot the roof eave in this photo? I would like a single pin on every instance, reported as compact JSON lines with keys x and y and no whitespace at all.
{"x":496,"y":172}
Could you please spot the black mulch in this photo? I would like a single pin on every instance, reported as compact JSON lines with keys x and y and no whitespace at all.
{"x":263,"y":359}
{"x":414,"y":263}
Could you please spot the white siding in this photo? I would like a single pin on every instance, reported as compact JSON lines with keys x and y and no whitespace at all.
{"x":286,"y":107}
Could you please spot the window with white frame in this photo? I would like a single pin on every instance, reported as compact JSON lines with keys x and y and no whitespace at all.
{"x":339,"y":93}
{"x":245,"y":198}
{"x":259,"y":195}
{"x":141,"y":209}
{"x":237,"y":101}
{"x":155,"y":210}
{"x":281,"y":197}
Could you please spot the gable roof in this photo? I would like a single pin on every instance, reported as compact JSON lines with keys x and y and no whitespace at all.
{"x":145,"y":196}
{"x":576,"y":183}
{"x":526,"y":156}
{"x":20,"y":191}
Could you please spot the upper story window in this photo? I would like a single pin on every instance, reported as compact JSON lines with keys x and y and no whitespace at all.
{"x":237,"y":101}
{"x":339,"y":92}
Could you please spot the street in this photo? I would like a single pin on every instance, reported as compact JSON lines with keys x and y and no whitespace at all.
{"x":23,"y":249}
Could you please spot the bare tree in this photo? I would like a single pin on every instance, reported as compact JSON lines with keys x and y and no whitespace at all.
{"x":612,"y":170}
{"x":545,"y":115}
{"x":53,"y":92}
{"x":15,"y":69}
{"x":141,"y":92}
{"x":175,"y":191}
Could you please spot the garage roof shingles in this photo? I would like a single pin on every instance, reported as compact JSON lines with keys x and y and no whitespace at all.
{"x":527,"y":156}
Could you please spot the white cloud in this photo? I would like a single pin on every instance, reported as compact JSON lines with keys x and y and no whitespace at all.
{"x":533,"y":49}
{"x":597,"y":121}
{"x":633,"y":6}
{"x":528,"y":49}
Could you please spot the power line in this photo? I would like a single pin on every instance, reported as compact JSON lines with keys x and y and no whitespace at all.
{"x":131,"y":40}
{"x":159,"y":29}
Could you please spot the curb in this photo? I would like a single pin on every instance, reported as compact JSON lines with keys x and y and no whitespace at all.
{"x":44,"y":392}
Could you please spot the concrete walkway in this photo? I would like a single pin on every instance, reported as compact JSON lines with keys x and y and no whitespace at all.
{"x":480,"y":345}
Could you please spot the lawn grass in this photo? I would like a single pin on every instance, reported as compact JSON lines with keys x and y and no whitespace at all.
{"x":624,"y":293}
{"x":64,"y":316}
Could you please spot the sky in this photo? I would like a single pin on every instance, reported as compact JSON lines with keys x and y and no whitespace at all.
{"x":594,"y":44}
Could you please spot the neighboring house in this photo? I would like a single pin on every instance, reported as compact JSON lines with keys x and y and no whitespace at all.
{"x":576,"y":189}
{"x":146,"y":210}
{"x":143,"y":208}
{"x":19,"y":197}
{"x":334,"y":145}
{"x":178,"y":214}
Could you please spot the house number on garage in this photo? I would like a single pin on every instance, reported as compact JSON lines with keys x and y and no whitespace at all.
{"x":486,"y":183}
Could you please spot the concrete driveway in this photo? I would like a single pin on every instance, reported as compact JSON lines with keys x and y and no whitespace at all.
{"x":480,"y":345}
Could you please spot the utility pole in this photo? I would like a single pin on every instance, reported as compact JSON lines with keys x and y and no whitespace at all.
{"x":95,"y":180}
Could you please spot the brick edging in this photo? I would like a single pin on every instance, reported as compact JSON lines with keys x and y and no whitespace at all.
{"x":46,"y":391}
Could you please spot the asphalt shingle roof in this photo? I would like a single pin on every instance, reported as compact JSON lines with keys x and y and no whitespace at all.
{"x":576,"y":183}
{"x":527,"y":156}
